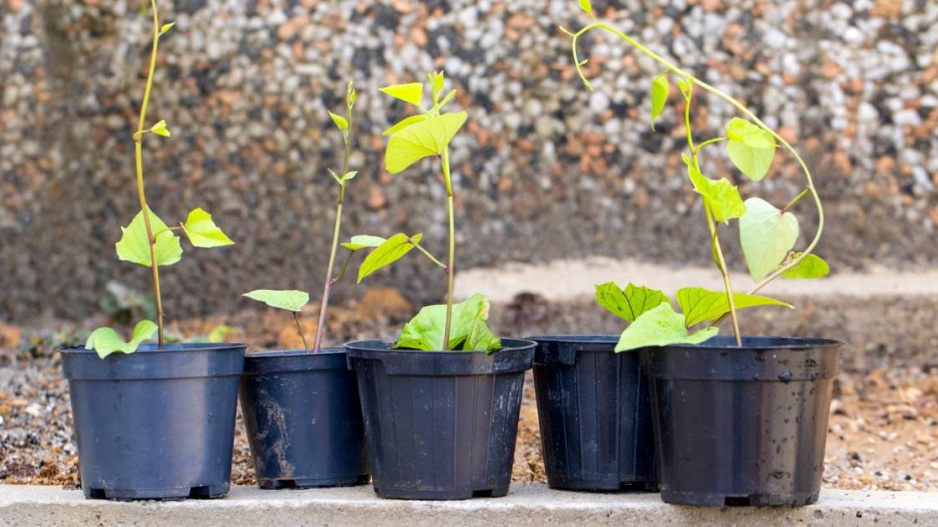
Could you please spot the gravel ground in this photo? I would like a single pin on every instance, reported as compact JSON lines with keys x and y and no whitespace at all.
{"x":883,"y":432}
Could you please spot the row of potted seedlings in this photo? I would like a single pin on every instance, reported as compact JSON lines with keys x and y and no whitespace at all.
{"x":668,"y":404}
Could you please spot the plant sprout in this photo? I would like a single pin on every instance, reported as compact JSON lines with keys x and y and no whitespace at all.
{"x":148,"y":241}
{"x":767,"y":234}
{"x":294,"y":301}
{"x":461,"y":326}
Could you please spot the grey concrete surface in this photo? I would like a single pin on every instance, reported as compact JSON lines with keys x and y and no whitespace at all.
{"x":526,"y":505}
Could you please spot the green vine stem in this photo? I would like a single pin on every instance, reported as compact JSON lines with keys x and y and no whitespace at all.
{"x":330,"y":280}
{"x":138,"y":151}
{"x":692,"y":80}
{"x":451,"y":261}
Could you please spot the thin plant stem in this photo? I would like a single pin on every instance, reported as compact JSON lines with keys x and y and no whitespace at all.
{"x":427,"y":254}
{"x":736,"y":104}
{"x":138,"y":153}
{"x":451,"y":261}
{"x":296,"y":319}
{"x":795,"y":200}
{"x":345,"y":265}
{"x":712,"y":225}
{"x":327,"y":287}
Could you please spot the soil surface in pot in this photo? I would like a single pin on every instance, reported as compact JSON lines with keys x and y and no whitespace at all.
{"x":883,"y":428}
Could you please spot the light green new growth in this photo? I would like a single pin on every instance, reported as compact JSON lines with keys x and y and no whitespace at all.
{"x":767,"y":234}
{"x":148,"y":241}
{"x":428,"y":134}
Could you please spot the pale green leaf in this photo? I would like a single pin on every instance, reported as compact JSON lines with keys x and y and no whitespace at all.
{"x":363,"y":241}
{"x":469,"y":331}
{"x":219,"y":334}
{"x":160,"y":129}
{"x":436,"y":82}
{"x":105,"y":341}
{"x":811,"y":267}
{"x":339,"y":121}
{"x":766,"y":236}
{"x":392,"y":250}
{"x":166,"y":27}
{"x":660,"y":86}
{"x":349,"y":175}
{"x":750,"y":148}
{"x":586,"y":6}
{"x":411,"y":93}
{"x":703,"y":305}
{"x":449,"y":97}
{"x":404,"y":123}
{"x":202,"y":231}
{"x":721,"y":196}
{"x":420,"y":140}
{"x":629,"y":303}
{"x":134,"y":245}
{"x":335,"y":176}
{"x":288,"y":300}
{"x":350,"y":95}
{"x":661,"y":326}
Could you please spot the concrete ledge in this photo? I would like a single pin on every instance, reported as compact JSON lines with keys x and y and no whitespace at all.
{"x":526,"y":505}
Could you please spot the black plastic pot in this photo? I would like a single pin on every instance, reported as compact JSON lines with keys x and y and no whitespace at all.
{"x":441,"y":425}
{"x":303,"y":419}
{"x":594,"y":410}
{"x":155,"y":424}
{"x":742,"y":426}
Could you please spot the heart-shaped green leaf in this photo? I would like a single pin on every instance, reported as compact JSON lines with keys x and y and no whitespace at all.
{"x":420,"y":140}
{"x":721,"y":196}
{"x":660,"y":326}
{"x":105,"y":341}
{"x":160,"y":129}
{"x":766,"y":236}
{"x":339,"y":121}
{"x":363,"y":241}
{"x":134,"y":245}
{"x":703,"y":305}
{"x":630,"y":303}
{"x":660,"y":86}
{"x":288,"y":300}
{"x":811,"y":267}
{"x":202,"y":231}
{"x":750,"y":148}
{"x":469,"y":329}
{"x":392,"y":250}
{"x":411,"y":93}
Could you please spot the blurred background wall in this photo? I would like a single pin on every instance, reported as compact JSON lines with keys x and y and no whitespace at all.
{"x":544,"y":169}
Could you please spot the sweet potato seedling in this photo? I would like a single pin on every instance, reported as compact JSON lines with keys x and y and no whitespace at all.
{"x":148,"y":241}
{"x":768,"y":234}
{"x":294,"y":301}
{"x":427,"y":134}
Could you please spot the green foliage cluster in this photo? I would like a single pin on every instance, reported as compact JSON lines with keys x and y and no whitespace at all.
{"x":768,"y":234}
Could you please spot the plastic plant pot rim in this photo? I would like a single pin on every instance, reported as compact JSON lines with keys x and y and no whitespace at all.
{"x":761,"y":359}
{"x":174,"y":361}
{"x":268,"y":362}
{"x":516,"y":355}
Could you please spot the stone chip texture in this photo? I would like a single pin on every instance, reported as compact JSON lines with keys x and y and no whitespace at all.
{"x":544,"y":168}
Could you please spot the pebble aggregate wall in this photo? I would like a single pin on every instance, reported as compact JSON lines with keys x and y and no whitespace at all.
{"x":545,"y":169}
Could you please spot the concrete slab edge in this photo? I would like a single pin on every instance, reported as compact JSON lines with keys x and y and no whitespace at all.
{"x":526,"y":505}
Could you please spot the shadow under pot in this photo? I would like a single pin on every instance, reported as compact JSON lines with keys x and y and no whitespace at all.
{"x":155,"y":424}
{"x":594,"y":409}
{"x":441,"y":425}
{"x":303,"y":419}
{"x":742,"y":426}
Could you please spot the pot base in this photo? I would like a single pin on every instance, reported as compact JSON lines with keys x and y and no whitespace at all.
{"x":181,"y":493}
{"x":603,"y":485}
{"x":402,"y":494}
{"x":707,"y":499}
{"x":314,"y":483}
